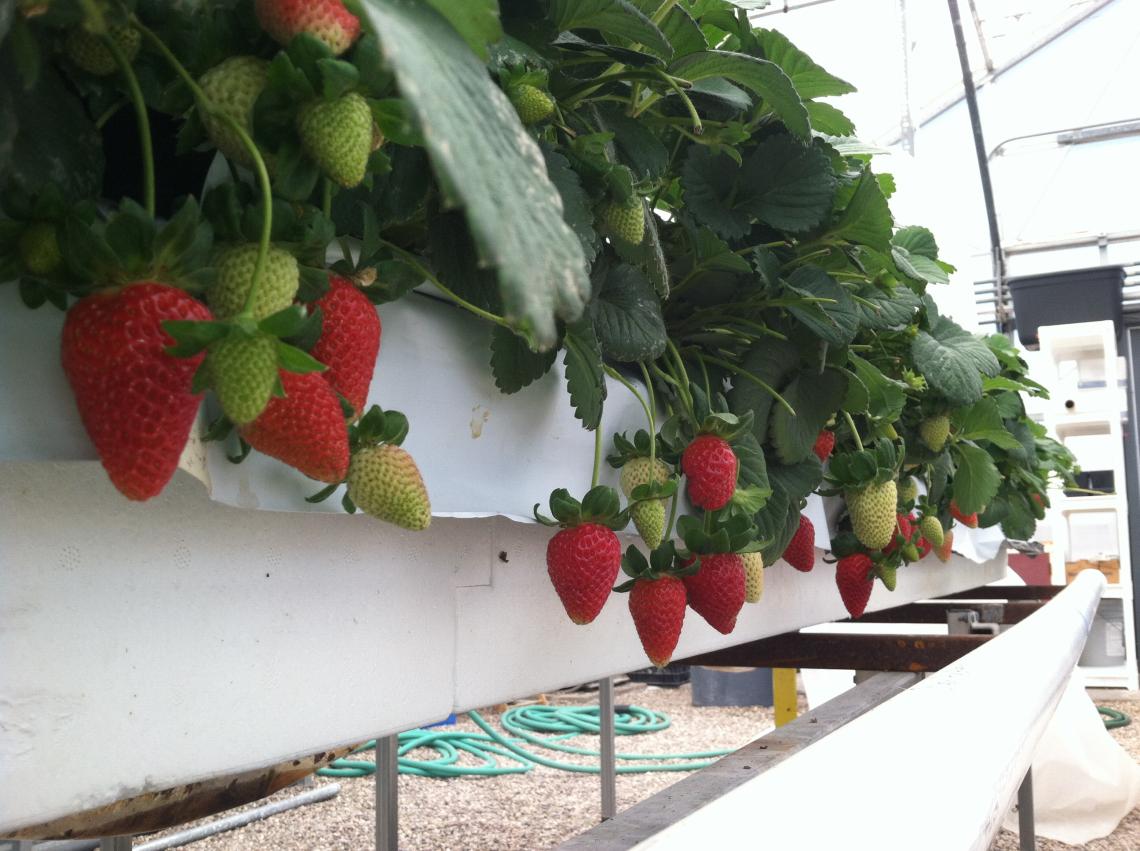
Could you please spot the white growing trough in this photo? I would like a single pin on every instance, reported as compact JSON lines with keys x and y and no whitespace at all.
{"x":144,"y":647}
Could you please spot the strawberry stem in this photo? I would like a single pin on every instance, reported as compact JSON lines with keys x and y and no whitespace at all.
{"x":854,"y":431}
{"x":652,"y":409}
{"x":617,"y":376}
{"x":141,"y":119}
{"x":698,"y":128}
{"x":262,"y":172}
{"x":743,"y":373}
{"x":597,"y":453}
{"x":326,"y":198}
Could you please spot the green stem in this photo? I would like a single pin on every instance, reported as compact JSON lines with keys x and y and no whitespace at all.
{"x":412,"y":261}
{"x":682,"y":377}
{"x":854,"y":431}
{"x":708,"y":521}
{"x":597,"y":454}
{"x":743,"y":373}
{"x":698,"y":128}
{"x":141,"y":119}
{"x":617,"y":376}
{"x":259,"y":168}
{"x":705,"y":374}
{"x":652,"y":417}
{"x":663,"y":10}
{"x":109,"y":113}
{"x":672,"y":515}
{"x":326,"y":198}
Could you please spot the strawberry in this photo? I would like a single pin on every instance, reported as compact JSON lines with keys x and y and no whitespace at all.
{"x":904,"y":531}
{"x":711,"y":467}
{"x":134,"y":399}
{"x":583,"y":562}
{"x":1038,"y":505}
{"x":873,"y":514}
{"x":648,"y":515}
{"x":279,"y":281}
{"x":531,"y":103}
{"x":932,"y":530}
{"x":924,"y":548}
{"x":658,"y":610}
{"x":943,"y":552}
{"x":853,"y":578}
{"x":88,"y":52}
{"x":327,"y":20}
{"x":337,"y":135}
{"x":910,"y":552}
{"x":908,"y":490}
{"x":970,"y":520}
{"x":243,"y":373}
{"x":716,"y":590}
{"x":304,"y":428}
{"x":933,"y":431}
{"x":889,"y":573}
{"x":349,"y":341}
{"x":385,"y":482}
{"x":232,"y":88}
{"x":753,"y":577}
{"x":800,"y":552}
{"x":39,"y":248}
{"x":625,"y":219}
{"x":824,"y":443}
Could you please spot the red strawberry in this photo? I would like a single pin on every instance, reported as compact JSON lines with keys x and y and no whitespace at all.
{"x":304,"y":428}
{"x":711,"y":467}
{"x":349,"y":341}
{"x":854,"y":577}
{"x":903,"y":529}
{"x":800,"y":553}
{"x":944,"y":552}
{"x":970,"y":520}
{"x":824,"y":444}
{"x":716,"y":591}
{"x":328,"y":20}
{"x":924,"y":548}
{"x":133,"y":397}
{"x":658,"y":610}
{"x":583,"y":562}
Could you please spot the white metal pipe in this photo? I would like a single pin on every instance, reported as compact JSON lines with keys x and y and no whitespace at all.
{"x":946,"y":756}
{"x":608,"y":764}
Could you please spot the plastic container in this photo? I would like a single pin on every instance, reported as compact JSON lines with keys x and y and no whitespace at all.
{"x":750,"y":687}
{"x":1061,"y":298}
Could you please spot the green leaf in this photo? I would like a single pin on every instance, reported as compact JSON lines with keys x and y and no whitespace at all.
{"x":953,"y":360}
{"x":396,"y":121}
{"x":886,"y":397}
{"x":810,"y":80}
{"x":584,"y":376}
{"x":577,"y":211}
{"x":836,"y":321}
{"x":714,"y":193}
{"x":788,"y":186}
{"x":772,"y":362}
{"x":337,"y":77}
{"x":627,"y":316}
{"x":476,"y":20}
{"x":828,"y":120}
{"x":683,"y":32}
{"x":761,"y":76}
{"x":866,"y":220}
{"x":637,"y":146}
{"x":292,"y":359}
{"x":513,"y":363}
{"x":983,"y":421}
{"x":486,"y":162}
{"x":815,"y":397}
{"x":918,"y":267}
{"x":615,"y":17}
{"x":976,"y":480}
{"x":916,"y":240}
{"x":888,"y":308}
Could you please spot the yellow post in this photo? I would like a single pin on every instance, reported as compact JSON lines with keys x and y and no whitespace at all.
{"x":784,"y":695}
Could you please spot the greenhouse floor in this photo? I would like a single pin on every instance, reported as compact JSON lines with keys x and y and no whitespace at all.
{"x":547,"y":806}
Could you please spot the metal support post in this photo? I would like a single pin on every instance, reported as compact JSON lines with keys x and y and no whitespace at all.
{"x":1027,"y":841}
{"x":116,"y":843}
{"x":608,"y":771}
{"x":784,"y":695}
{"x":387,"y":794}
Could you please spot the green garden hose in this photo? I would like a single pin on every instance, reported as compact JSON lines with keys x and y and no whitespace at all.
{"x":1113,"y":718}
{"x":549,"y":727}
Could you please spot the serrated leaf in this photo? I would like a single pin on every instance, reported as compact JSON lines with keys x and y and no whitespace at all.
{"x":476,"y":20}
{"x":486,"y":162}
{"x":799,"y":479}
{"x":616,"y":17}
{"x":888,"y":308}
{"x":828,"y":120}
{"x":916,"y":240}
{"x":711,"y":183}
{"x":953,"y":360}
{"x":976,"y":479}
{"x":886,"y":397}
{"x":513,"y":364}
{"x":810,"y":80}
{"x":632,"y":58}
{"x":773,"y":362}
{"x":627,"y":315}
{"x":788,"y":186}
{"x":836,"y":321}
{"x":815,"y":397}
{"x":683,"y":33}
{"x":584,"y":376}
{"x":761,"y":76}
{"x":918,"y":267}
{"x":637,"y":146}
{"x":866,"y":220}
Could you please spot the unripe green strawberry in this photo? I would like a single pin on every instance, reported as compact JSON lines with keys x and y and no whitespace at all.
{"x":649,"y":520}
{"x":233,"y":87}
{"x":243,"y":373}
{"x":753,"y":577}
{"x":87,"y":50}
{"x":910,"y":552}
{"x":873,"y":514}
{"x":889,"y":573}
{"x":385,"y":482}
{"x":908,"y":490}
{"x":932,"y":530}
{"x":626,"y":220}
{"x":338,"y":136}
{"x":934,"y":431}
{"x":531,"y":103}
{"x":279,"y":281}
{"x":638,"y":471}
{"x":39,"y":248}
{"x":944,"y":552}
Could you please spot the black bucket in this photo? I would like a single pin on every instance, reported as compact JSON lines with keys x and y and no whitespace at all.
{"x":1060,"y":298}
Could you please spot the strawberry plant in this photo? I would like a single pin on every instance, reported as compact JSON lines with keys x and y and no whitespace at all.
{"x":657,"y":196}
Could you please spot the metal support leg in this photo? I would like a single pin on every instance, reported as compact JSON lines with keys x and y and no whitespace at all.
{"x":1025,"y":829}
{"x":387,"y":797}
{"x":784,"y":695}
{"x":116,"y":843}
{"x":608,"y":771}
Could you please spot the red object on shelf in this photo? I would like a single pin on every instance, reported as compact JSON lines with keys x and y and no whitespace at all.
{"x":1034,"y":569}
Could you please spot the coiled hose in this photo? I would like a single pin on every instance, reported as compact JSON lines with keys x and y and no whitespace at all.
{"x":547,"y":727}
{"x":1113,"y":718}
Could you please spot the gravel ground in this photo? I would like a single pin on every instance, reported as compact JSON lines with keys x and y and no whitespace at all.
{"x":515,"y":812}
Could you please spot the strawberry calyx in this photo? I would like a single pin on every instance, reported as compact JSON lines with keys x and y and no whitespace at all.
{"x":863,"y":468}
{"x":601,"y":505}
{"x":663,"y":561}
{"x":719,"y":533}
